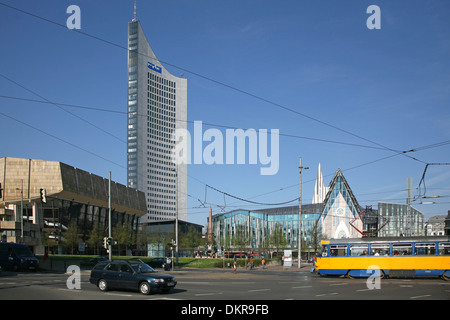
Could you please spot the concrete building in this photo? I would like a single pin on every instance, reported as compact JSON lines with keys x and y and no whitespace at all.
{"x":157,"y":108}
{"x":447,"y":224}
{"x":72,"y":196}
{"x":435,"y":226}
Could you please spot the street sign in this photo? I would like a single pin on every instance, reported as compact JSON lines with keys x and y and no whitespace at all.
{"x":81,"y":247}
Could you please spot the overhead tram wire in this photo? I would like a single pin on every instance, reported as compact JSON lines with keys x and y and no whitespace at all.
{"x":46,"y":101}
{"x":192,"y":122}
{"x":225,"y":193}
{"x":62,"y":140}
{"x":208,"y":186}
{"x":404,"y":153}
{"x":63,"y":109}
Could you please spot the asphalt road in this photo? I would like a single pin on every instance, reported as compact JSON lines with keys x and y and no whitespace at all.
{"x":225,"y":285}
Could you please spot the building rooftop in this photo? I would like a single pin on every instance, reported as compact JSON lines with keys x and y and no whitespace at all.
{"x":62,"y":181}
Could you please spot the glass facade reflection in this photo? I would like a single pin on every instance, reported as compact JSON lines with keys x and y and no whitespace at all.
{"x":401,"y":220}
{"x":59,"y":215}
{"x":255,"y":228}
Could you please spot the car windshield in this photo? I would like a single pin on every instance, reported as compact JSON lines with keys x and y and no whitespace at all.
{"x":142,"y":268}
{"x":23,"y":252}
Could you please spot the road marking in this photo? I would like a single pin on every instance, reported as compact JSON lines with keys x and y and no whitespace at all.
{"x":417,"y":297}
{"x":119,"y":295}
{"x":302,"y":287}
{"x":163,"y":298}
{"x":338,"y":284}
{"x":71,"y":290}
{"x":258,"y":290}
{"x":325,"y":294}
{"x":208,"y":294}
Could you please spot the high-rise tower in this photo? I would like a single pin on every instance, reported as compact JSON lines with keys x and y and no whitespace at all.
{"x":157,"y":106}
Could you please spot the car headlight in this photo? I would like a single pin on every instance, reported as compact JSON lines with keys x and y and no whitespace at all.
{"x":158,"y":280}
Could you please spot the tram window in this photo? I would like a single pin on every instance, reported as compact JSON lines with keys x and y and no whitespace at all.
{"x":379,"y":250}
{"x":324,"y":251}
{"x":425,"y":249}
{"x":402,"y":249}
{"x":444,"y":248}
{"x":339,"y":251}
{"x":357,"y":250}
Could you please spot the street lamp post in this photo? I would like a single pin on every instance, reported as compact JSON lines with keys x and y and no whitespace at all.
{"x":21,"y":212}
{"x":300,"y":214}
{"x":176,"y":217}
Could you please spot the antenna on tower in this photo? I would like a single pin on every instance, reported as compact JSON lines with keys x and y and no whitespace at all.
{"x":134,"y":19}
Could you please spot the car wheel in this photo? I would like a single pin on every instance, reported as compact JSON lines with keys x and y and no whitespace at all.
{"x":144,"y":288}
{"x":102,"y":285}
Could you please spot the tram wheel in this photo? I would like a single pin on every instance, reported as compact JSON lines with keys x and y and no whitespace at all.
{"x":444,"y":276}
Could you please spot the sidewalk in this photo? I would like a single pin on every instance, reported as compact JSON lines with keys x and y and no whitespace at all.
{"x":61,"y":266}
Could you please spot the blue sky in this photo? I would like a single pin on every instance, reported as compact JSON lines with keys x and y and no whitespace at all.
{"x":389,"y":86}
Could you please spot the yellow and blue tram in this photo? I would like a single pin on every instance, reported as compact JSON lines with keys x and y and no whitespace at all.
{"x":393,"y":257}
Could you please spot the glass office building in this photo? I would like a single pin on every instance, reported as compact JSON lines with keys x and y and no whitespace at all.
{"x":157,"y":107}
{"x":254,"y":228}
{"x":400,"y":220}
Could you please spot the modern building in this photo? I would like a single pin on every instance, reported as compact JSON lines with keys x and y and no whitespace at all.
{"x":55,"y":197}
{"x":399,"y":220}
{"x":251,"y":231}
{"x":338,"y":215}
{"x":160,"y":233}
{"x":157,"y":107}
{"x":341,"y":211}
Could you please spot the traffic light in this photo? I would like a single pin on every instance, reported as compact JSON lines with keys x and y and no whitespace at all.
{"x":43,"y":195}
{"x":105,"y":243}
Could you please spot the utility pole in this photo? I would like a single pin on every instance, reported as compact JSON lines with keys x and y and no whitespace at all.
{"x":21,"y":213}
{"x":176,"y":217}
{"x":109,"y":219}
{"x":176,"y":221}
{"x":300,"y":214}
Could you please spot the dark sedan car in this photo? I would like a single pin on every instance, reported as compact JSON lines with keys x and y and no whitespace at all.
{"x":131,"y":275}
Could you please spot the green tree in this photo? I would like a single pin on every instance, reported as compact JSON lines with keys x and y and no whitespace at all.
{"x":71,"y":236}
{"x":277,"y":238}
{"x":123,"y":234}
{"x":190,"y":240}
{"x":241,"y":238}
{"x":96,"y":238}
